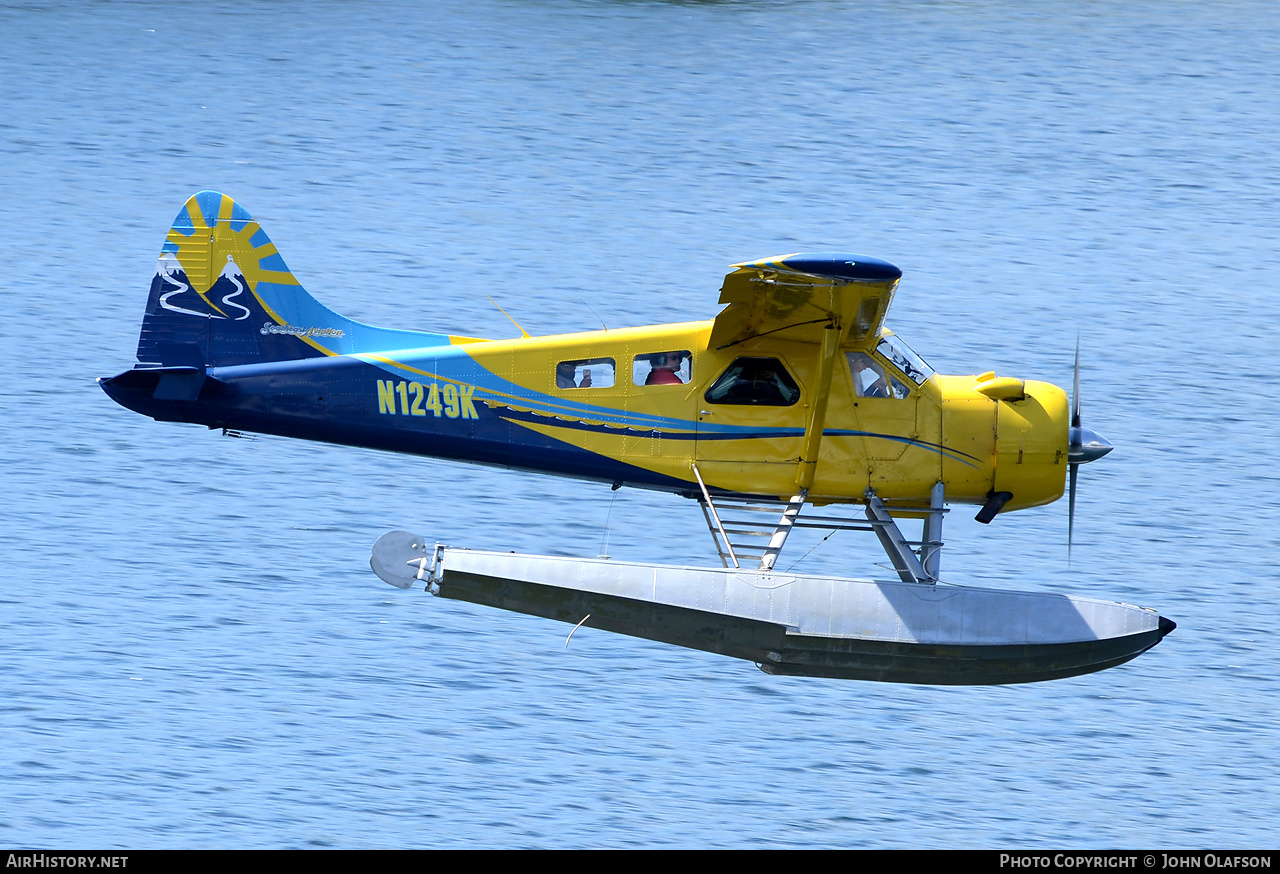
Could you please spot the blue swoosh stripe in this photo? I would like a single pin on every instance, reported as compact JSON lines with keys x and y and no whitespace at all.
{"x":744,"y":434}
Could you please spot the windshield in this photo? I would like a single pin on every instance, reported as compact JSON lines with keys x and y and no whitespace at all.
{"x":903,"y":358}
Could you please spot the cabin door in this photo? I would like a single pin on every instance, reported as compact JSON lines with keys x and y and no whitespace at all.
{"x":883,"y":411}
{"x":751,"y":428}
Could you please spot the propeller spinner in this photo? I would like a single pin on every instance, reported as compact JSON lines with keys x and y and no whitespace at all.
{"x":1083,"y":446}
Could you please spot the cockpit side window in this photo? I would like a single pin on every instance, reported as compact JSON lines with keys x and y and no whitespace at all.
{"x":590,"y":373}
{"x":871,"y":380}
{"x":755,"y":381}
{"x":903,"y":357}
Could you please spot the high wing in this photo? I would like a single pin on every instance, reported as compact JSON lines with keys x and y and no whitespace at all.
{"x":797,"y":297}
{"x":831,"y":300}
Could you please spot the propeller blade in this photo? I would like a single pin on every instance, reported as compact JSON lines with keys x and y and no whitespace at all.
{"x":1075,"y":390}
{"x":1071,"y":509}
{"x":1083,"y":446}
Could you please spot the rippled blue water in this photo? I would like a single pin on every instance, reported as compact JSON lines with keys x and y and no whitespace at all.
{"x":193,"y":651}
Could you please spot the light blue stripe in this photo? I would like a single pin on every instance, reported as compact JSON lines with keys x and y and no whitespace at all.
{"x":183,"y":223}
{"x":209,"y":202}
{"x":239,"y":217}
{"x":273,"y":262}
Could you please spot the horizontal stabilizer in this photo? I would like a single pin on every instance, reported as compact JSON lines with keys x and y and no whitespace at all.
{"x":179,"y":384}
{"x":148,"y":390}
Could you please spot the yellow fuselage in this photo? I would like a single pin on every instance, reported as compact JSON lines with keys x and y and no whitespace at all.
{"x":1011,"y":437}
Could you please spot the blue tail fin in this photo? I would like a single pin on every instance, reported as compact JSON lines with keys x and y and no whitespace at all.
{"x":222,"y":295}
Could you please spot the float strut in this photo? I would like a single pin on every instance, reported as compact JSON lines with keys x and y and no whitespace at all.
{"x":931,"y":544}
{"x":905,"y":561}
{"x":784,"y":528}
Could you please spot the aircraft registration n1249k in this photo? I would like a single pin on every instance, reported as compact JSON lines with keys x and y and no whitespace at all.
{"x":794,"y":397}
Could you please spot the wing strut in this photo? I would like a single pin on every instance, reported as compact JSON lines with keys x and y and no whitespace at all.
{"x":819,"y":392}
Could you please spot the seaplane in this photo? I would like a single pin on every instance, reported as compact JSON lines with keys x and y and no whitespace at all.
{"x":795,"y":407}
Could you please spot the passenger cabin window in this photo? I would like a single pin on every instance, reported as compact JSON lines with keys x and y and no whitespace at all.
{"x":871,"y":380}
{"x":662,"y":368}
{"x":592,"y":373}
{"x":755,"y":381}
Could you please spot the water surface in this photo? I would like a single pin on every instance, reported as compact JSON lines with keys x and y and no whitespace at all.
{"x":193,"y":652}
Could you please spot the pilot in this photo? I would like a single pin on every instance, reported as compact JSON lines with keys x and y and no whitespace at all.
{"x":864,"y":370}
{"x":665,"y":367}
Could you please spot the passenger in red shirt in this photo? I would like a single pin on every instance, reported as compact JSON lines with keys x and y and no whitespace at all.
{"x":664,"y":369}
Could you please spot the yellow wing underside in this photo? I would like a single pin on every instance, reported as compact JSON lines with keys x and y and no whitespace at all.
{"x":770,"y":298}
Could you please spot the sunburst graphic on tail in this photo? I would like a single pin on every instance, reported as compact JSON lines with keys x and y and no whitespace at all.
{"x":222,"y":253}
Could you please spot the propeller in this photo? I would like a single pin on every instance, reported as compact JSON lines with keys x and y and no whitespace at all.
{"x":1083,"y":446}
